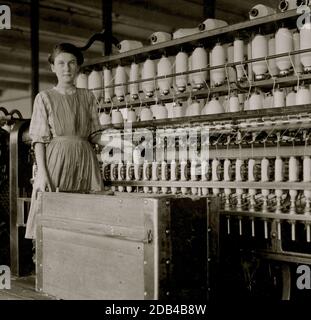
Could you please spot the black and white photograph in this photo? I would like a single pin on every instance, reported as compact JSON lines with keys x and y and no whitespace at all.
{"x":154,"y":154}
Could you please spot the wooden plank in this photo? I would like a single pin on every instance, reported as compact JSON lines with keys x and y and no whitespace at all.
{"x":137,"y":234}
{"x":93,"y":208}
{"x":23,"y":289}
{"x":79,"y":266}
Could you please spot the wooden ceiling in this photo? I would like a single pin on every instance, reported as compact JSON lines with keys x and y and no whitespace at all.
{"x":77,"y":21}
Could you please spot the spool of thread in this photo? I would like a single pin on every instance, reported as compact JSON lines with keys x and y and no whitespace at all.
{"x":265,"y":168}
{"x":218,"y":57}
{"x":174,"y":168}
{"x":134,"y":76}
{"x":278,"y":98}
{"x":127,"y":45}
{"x":183,"y":32}
{"x":293,"y":169}
{"x":211,"y":24}
{"x":278,"y":170}
{"x":268,"y":100}
{"x":204,"y":170}
{"x":285,"y":5}
{"x":213,"y":107}
{"x":259,"y":50}
{"x":164,"y":175}
{"x":164,"y":68}
{"x":255,"y":101}
{"x":146,"y":114}
{"x":164,"y":171}
{"x":174,"y":174}
{"x":147,"y":170}
{"x":138,"y":161}
{"x":249,"y":57}
{"x":303,"y":95}
{"x":194,"y":168}
{"x":121,"y":171}
{"x":251,"y":169}
{"x":238,"y":56}
{"x":181,"y":65}
{"x":190,"y":75}
{"x":108,"y":82}
{"x":104,"y":118}
{"x":159,"y":111}
{"x":306,"y":169}
{"x":238,"y":169}
{"x":194,"y":109}
{"x":283,"y":44}
{"x":95,"y":81}
{"x":231,"y":76}
{"x":199,"y":61}
{"x":82,"y":81}
{"x":129,"y":171}
{"x":138,"y":171}
{"x":184,"y":170}
{"x":259,"y":11}
{"x":215,"y":168}
{"x":131,"y":115}
{"x":297,"y":62}
{"x":158,"y":37}
{"x":234,"y":104}
{"x":291,"y":98}
{"x":116,"y":117}
{"x":227,"y":169}
{"x":105,"y":171}
{"x":113,"y":171}
{"x":155,"y":174}
{"x":156,"y":171}
{"x":120,"y":78}
{"x":305,"y":43}
{"x":273,"y":69}
{"x":178,"y":111}
{"x":148,"y":71}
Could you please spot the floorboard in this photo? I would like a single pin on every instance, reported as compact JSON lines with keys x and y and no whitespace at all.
{"x":23,"y":289}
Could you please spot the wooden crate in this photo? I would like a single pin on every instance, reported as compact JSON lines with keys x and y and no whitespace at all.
{"x":125,"y":247}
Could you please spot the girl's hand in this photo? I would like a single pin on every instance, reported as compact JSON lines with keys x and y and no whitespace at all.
{"x":42,"y":183}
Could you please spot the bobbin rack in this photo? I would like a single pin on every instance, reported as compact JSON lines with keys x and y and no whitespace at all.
{"x":238,"y":128}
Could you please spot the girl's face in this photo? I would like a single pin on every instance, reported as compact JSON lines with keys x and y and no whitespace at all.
{"x":65,"y":67}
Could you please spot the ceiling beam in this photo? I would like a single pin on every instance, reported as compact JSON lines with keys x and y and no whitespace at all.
{"x":16,"y":40}
{"x":24,"y":77}
{"x":181,"y":8}
{"x":13,"y":85}
{"x":140,"y":13}
{"x":22,"y":60}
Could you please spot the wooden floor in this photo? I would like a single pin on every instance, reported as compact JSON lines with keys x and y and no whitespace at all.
{"x":23,"y":289}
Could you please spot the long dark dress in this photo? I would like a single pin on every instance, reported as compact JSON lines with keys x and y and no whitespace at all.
{"x":63,"y":122}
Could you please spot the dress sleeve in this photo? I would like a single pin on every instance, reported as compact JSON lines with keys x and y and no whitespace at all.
{"x":39,"y":130}
{"x":94,"y":114}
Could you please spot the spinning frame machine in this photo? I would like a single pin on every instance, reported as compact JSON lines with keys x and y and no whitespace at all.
{"x":256,"y":161}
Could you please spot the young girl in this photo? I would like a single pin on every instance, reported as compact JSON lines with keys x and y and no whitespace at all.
{"x":62,"y":120}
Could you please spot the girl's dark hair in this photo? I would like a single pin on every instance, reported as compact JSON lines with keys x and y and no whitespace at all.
{"x":67,"y":48}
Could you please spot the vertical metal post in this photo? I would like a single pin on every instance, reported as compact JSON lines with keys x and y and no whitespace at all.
{"x":107,"y":25}
{"x":34,"y":24}
{"x":209,"y":7}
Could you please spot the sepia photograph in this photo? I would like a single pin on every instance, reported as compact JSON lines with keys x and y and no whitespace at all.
{"x":155,"y":154}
